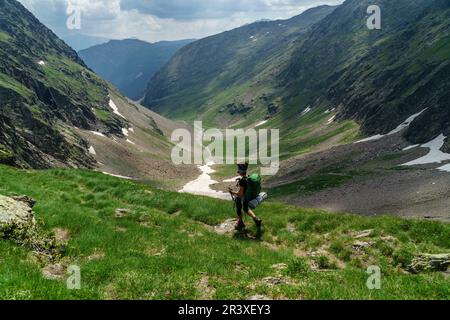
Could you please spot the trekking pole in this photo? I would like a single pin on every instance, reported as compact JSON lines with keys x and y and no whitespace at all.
{"x":234,"y":200}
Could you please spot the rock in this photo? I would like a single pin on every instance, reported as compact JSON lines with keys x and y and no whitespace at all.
{"x":121,"y":213}
{"x":25,"y":199}
{"x":364,"y":234}
{"x":280,"y":266}
{"x":97,"y":255}
{"x":291,"y":228}
{"x":389,"y":239}
{"x":16,"y":218}
{"x":274,"y":281}
{"x":226,"y":227}
{"x":17,"y":223}
{"x":359,"y":245}
{"x":54,"y":272}
{"x":430,"y":262}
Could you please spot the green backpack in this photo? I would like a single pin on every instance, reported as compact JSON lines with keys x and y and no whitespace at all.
{"x":253,"y":187}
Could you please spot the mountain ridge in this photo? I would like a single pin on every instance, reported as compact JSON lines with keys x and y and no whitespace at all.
{"x":129,"y":64}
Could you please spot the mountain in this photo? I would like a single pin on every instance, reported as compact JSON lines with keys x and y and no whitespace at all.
{"x":45,"y":88}
{"x":130,"y":64}
{"x":211,"y":76}
{"x":379,"y":78}
{"x":55,"y":112}
{"x":376,"y":78}
{"x":79,"y":41}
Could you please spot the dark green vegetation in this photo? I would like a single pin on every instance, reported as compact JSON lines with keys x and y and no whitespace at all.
{"x":324,"y":58}
{"x":163,"y":247}
{"x":45,"y":90}
{"x":129,"y":64}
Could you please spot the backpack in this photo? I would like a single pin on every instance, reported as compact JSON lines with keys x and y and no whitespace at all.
{"x":253,"y":187}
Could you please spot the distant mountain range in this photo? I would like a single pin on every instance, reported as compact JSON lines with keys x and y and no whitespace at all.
{"x":324,"y":58}
{"x":78,"y":41}
{"x":130,"y":64}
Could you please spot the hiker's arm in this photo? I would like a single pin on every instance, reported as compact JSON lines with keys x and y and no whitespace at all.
{"x":239,"y":194}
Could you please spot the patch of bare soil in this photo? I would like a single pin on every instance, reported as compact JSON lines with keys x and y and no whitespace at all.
{"x":54,"y":271}
{"x":206,"y":290}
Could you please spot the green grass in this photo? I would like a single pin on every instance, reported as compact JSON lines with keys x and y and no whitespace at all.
{"x":4,"y":36}
{"x":162,"y":247}
{"x":10,"y":83}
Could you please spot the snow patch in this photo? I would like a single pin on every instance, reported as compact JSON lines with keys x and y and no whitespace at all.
{"x":131,"y":130}
{"x":407,"y":123}
{"x":307,"y":110}
{"x":41,"y":63}
{"x":98,"y":134}
{"x":261,"y":123}
{"x":92,"y":151}
{"x":445,"y":168}
{"x":125,"y":132}
{"x":373,"y":138}
{"x":331,"y":120}
{"x":114,"y":108}
{"x":117,"y":176}
{"x":411,"y":147}
{"x":435,"y":155}
{"x":202,"y":185}
{"x":402,"y":126}
{"x":131,"y":142}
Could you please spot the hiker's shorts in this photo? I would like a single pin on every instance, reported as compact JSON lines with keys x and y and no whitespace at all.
{"x":241,"y":204}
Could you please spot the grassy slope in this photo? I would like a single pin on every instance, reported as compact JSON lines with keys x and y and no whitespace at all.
{"x":129,"y":265}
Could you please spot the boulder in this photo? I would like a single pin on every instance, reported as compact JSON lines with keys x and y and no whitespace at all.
{"x":17,"y":223}
{"x":16,"y":217}
{"x":430,"y":262}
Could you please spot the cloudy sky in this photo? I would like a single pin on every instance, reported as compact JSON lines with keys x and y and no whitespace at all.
{"x":155,"y":20}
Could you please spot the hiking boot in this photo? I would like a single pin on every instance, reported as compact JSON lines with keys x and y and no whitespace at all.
{"x":258,"y":222}
{"x":240,"y":226}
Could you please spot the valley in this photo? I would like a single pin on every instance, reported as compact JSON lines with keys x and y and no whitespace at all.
{"x":88,"y":180}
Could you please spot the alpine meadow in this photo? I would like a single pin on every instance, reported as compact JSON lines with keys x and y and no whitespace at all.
{"x":249,"y":151}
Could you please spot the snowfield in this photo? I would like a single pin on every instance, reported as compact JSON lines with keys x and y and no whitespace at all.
{"x":98,"y":134}
{"x":114,"y":108}
{"x":435,"y":155}
{"x":92,"y":151}
{"x":202,"y":185}
{"x":402,"y":126}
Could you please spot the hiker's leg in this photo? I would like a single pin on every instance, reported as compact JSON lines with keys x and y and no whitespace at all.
{"x":252,"y":214}
{"x":239,"y":208}
{"x":248,"y":211}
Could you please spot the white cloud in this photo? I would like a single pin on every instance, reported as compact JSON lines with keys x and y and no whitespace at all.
{"x":155,"y":20}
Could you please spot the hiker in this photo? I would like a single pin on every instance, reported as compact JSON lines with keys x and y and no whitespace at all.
{"x":243,"y":197}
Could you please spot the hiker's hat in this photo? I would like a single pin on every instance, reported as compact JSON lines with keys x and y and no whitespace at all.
{"x":242,"y":167}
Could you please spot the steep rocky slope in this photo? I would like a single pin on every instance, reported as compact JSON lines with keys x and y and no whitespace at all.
{"x":45,"y":90}
{"x":55,"y":112}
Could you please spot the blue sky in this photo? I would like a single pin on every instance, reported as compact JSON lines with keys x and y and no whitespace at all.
{"x":156,"y":20}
